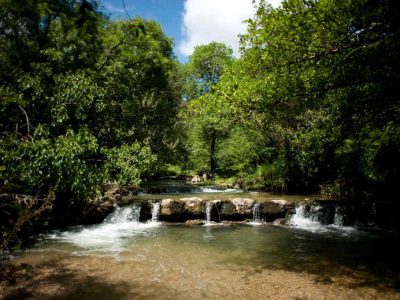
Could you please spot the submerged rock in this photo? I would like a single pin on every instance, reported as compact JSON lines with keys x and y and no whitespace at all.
{"x":195,"y":222}
{"x":279,"y":222}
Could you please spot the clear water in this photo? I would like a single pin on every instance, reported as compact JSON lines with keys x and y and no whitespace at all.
{"x":125,"y":259}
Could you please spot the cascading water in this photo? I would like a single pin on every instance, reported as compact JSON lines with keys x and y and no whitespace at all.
{"x":257,"y":214}
{"x":311,"y":220}
{"x":338,"y":219}
{"x":155,"y":211}
{"x":122,"y":223}
{"x":305,"y":221}
{"x":124,"y":214}
{"x":216,"y":190}
{"x":208,"y":212}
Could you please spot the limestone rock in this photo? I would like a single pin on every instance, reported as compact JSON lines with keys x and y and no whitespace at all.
{"x":227,"y":209}
{"x":171,"y":207}
{"x":279,"y":222}
{"x":193,"y":206}
{"x":275,"y":207}
{"x":196,"y":179}
{"x":113,"y":193}
{"x":195,"y":222}
{"x":243,"y":205}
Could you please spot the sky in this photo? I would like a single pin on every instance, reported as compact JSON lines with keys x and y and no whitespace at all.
{"x":190,"y":22}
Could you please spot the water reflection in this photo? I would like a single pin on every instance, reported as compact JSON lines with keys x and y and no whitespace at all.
{"x":207,"y":261}
{"x":262,"y":246}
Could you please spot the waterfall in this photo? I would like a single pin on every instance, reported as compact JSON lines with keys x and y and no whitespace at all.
{"x":124,"y":214}
{"x":155,"y":211}
{"x":257,"y":214}
{"x":313,"y":219}
{"x":338,"y":219}
{"x":305,"y":221}
{"x":122,"y":223}
{"x":208,"y":211}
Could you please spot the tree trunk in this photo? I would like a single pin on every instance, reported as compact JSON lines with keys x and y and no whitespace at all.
{"x":212,"y":154}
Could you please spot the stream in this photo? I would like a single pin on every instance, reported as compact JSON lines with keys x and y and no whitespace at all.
{"x":123,"y":258}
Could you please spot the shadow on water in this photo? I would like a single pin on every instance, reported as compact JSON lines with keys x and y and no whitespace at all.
{"x":352,"y":259}
{"x":57,"y":279}
{"x":372,"y":260}
{"x":47,"y":281}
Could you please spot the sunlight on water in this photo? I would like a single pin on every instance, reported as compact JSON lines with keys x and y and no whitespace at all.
{"x":125,"y":258}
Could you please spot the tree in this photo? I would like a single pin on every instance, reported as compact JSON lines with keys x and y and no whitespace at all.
{"x":318,"y":80}
{"x":206,"y":109}
{"x":83,"y":101}
{"x":205,"y":67}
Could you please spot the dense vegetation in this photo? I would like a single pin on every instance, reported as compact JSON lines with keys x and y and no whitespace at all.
{"x":84,"y":100}
{"x":311,"y":105}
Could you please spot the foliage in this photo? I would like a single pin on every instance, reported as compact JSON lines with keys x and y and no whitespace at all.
{"x":318,"y":83}
{"x":83,"y":100}
{"x":128,"y":163}
{"x":208,"y":115}
{"x":206,"y":66}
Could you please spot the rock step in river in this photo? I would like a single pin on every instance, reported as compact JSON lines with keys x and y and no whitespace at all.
{"x":310,"y":215}
{"x":236,"y":209}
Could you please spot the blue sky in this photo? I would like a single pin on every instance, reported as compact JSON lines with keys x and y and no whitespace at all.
{"x":168,"y":13}
{"x":190,"y":22}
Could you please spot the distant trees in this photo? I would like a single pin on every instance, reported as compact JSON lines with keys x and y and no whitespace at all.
{"x":314,"y":96}
{"x":206,"y":112}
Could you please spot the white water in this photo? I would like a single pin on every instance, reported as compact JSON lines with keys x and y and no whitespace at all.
{"x":112,"y":234}
{"x":208,"y":212}
{"x":310,"y":223}
{"x":209,"y":206}
{"x":338,"y":219}
{"x":257,"y":220}
{"x":300,"y":220}
{"x":155,"y":211}
{"x":214,"y":190}
{"x":185,"y":190}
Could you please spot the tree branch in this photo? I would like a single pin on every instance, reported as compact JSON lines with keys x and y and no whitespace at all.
{"x":27,"y":122}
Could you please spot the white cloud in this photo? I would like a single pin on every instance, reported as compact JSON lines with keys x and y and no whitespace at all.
{"x":205,"y":21}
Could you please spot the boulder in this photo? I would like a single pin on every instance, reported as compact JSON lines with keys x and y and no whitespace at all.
{"x":243,"y":206}
{"x":227,"y":209}
{"x":279,"y":222}
{"x":113,"y":193}
{"x":171,"y":207}
{"x":196,"y":179}
{"x":193,"y":206}
{"x":195,"y":222}
{"x":275,"y":207}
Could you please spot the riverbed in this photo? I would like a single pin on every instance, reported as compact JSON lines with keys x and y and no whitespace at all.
{"x":123,"y":258}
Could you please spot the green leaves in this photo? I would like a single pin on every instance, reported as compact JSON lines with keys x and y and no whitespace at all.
{"x":205,"y":68}
{"x":73,"y":164}
{"x":318,"y":82}
{"x":128,"y":163}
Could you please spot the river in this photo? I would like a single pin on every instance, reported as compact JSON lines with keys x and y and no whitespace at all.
{"x":123,"y":258}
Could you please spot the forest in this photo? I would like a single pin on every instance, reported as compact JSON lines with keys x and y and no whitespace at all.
{"x":311,"y":106}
